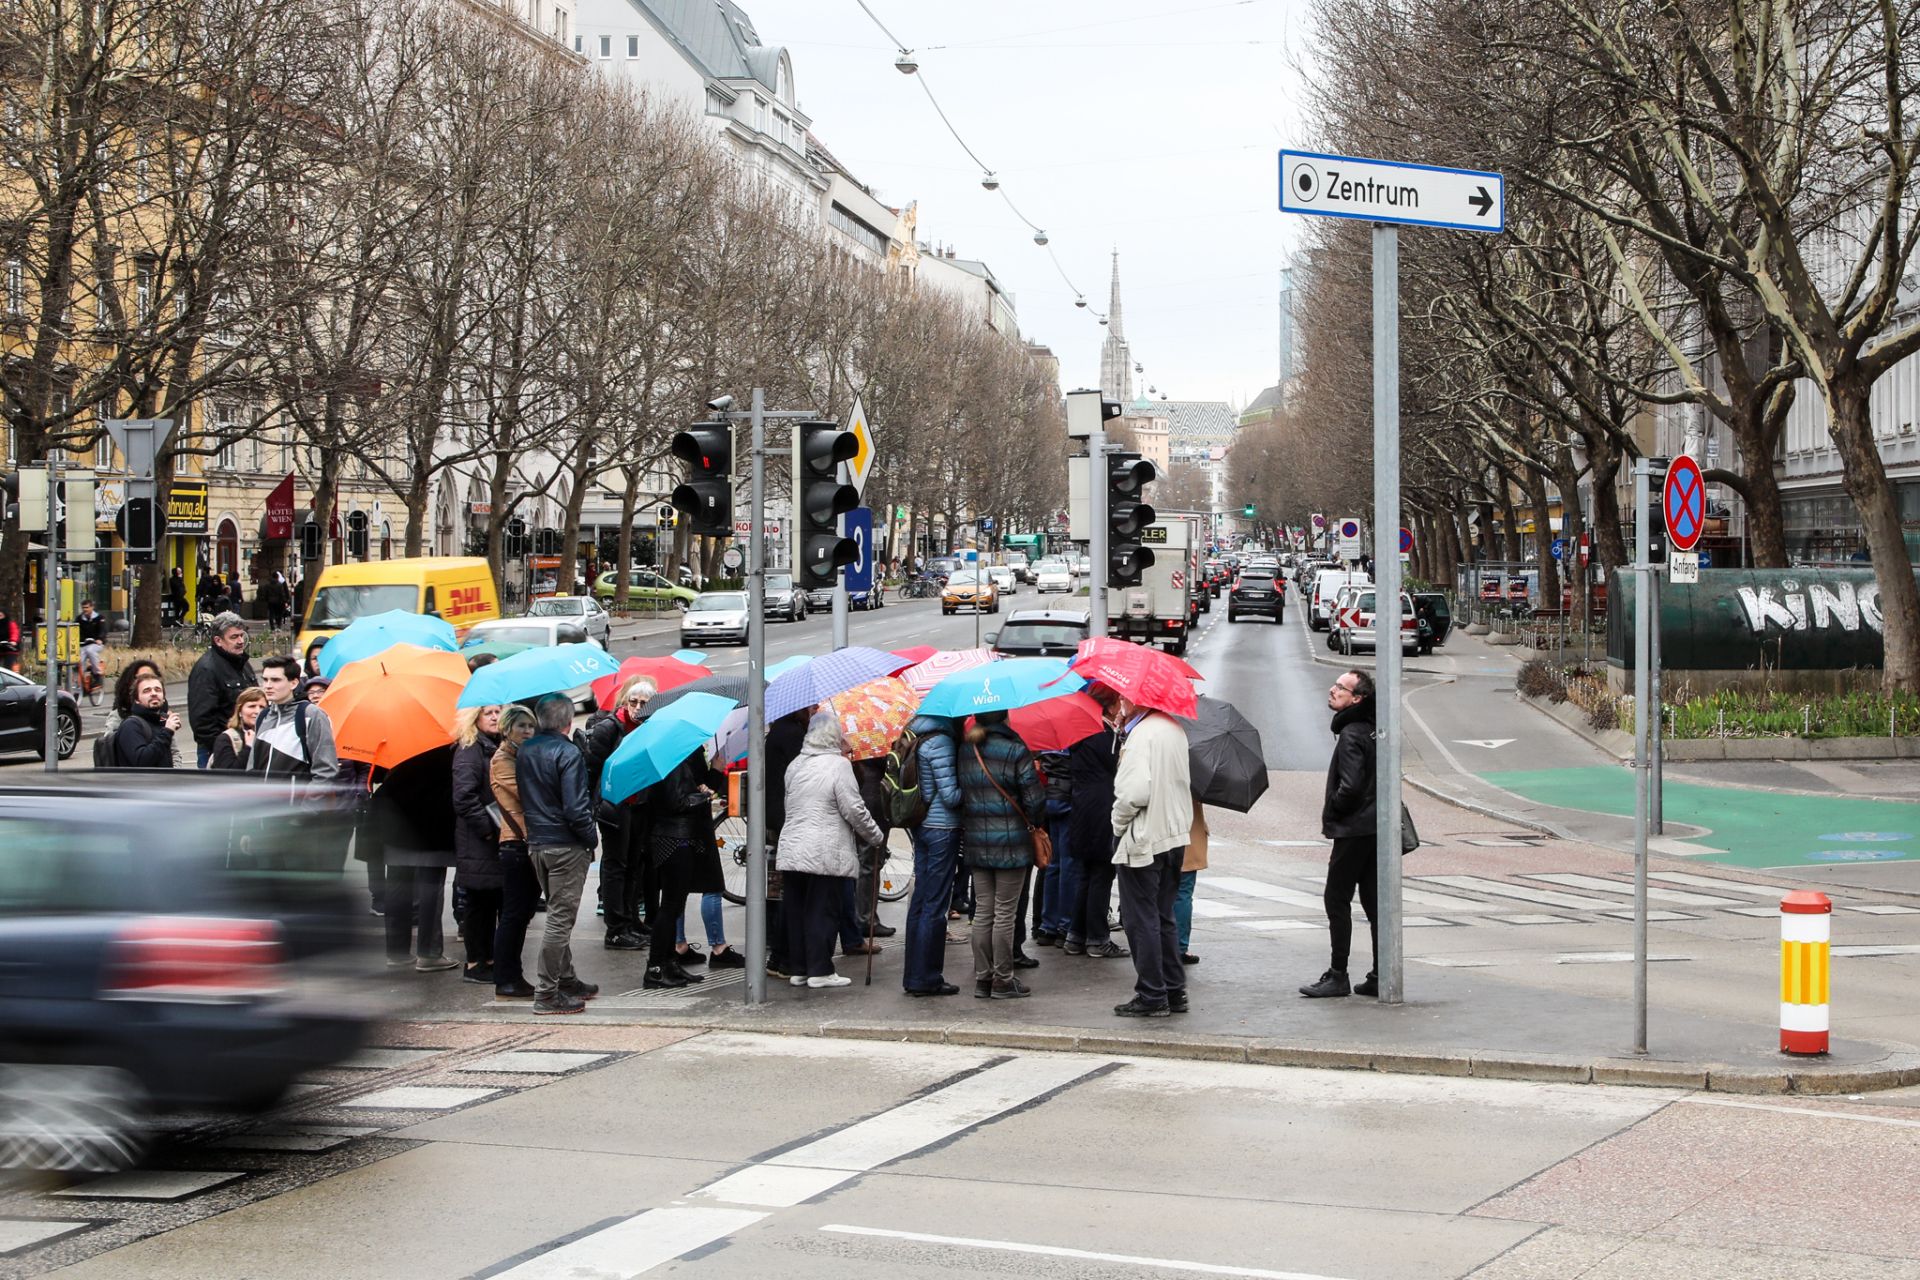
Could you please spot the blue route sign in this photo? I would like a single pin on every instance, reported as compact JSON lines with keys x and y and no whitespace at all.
{"x":1559,"y":548}
{"x":1420,"y":195}
{"x":858,"y":525}
{"x":1683,"y":500}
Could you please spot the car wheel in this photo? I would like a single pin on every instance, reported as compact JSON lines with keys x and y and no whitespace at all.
{"x":945,"y":612}
{"x":1232,"y":616}
{"x":66,"y":734}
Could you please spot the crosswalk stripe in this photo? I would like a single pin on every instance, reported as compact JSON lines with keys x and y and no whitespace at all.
{"x":1500,"y":889}
{"x":1677,"y":896}
{"x":1212,"y":909}
{"x":1261,"y":889}
{"x":1724,"y":886}
{"x":1425,"y":898}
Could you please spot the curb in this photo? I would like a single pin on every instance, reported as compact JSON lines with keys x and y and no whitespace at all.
{"x":1427,"y":788}
{"x":1709,"y":1077}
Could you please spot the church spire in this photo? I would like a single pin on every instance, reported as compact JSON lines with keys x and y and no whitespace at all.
{"x":1116,"y":357}
{"x":1113,"y":301}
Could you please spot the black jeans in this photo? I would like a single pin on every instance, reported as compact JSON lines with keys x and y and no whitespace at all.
{"x":622,"y":875}
{"x":416,"y":893}
{"x":1147,"y":895}
{"x":1087,"y":921}
{"x":1352,"y":866}
{"x":666,"y":912}
{"x":517,"y":896}
{"x":480,"y":925}
{"x":811,"y":905}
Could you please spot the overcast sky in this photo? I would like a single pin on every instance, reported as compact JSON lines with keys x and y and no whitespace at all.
{"x":1147,"y":125}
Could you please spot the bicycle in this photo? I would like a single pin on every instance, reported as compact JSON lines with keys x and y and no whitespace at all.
{"x":90,"y":673}
{"x":730,"y":833}
{"x":919,"y":589}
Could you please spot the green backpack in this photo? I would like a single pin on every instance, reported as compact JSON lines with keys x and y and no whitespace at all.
{"x":900,"y":782}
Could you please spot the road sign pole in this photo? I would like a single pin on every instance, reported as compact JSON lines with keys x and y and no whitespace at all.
{"x":1656,"y":713}
{"x":1642,"y":696}
{"x":1386,"y":603}
{"x":50,"y":615}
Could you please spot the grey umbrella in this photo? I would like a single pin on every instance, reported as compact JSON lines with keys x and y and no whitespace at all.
{"x":734,"y":687}
{"x":1224,"y":753}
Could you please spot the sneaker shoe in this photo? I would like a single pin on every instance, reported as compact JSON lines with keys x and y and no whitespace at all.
{"x":559,"y":1002}
{"x":376,"y":910}
{"x":1072,"y":948}
{"x":1332,"y":983}
{"x":399,"y":962}
{"x":1187,"y":957}
{"x":725,"y":958}
{"x":539,"y":905}
{"x":775,"y":971}
{"x":659,"y":978}
{"x":1177,"y":1001}
{"x":478,"y":973}
{"x":580,"y":990}
{"x":1109,"y":950}
{"x":514,"y":991}
{"x":435,"y":964}
{"x":831,"y":980}
{"x":1367,"y":986}
{"x":1041,"y":938}
{"x":692,"y":955}
{"x":1021,"y":960}
{"x":1138,"y":1008}
{"x":621,"y":940}
{"x":1011,"y":989}
{"x":983,"y":990}
{"x":797,"y":980}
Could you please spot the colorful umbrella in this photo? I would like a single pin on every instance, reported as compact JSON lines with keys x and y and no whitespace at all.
{"x":697,"y":657}
{"x":932,"y":671}
{"x":377,"y":632}
{"x":825,"y":676}
{"x":1102,"y":646}
{"x":917,"y":654}
{"x":873,"y":714}
{"x":661,"y":742}
{"x":1000,"y":686}
{"x":666,"y":673}
{"x":396,"y":704}
{"x":552,"y":668}
{"x":1145,"y":676}
{"x":1058,"y":723}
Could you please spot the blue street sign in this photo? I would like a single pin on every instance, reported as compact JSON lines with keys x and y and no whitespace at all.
{"x":986,"y":524}
{"x":1559,"y":548}
{"x":858,"y":525}
{"x":1706,"y":559}
{"x":1420,"y":195}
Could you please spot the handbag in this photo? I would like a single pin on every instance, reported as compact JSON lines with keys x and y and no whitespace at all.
{"x":1042,"y":842}
{"x":1409,"y":836}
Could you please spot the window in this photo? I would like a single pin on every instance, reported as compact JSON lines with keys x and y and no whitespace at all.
{"x":223,"y":428}
{"x":633,"y":46}
{"x":103,"y":452}
{"x":760,"y":115}
{"x":606,"y":46}
{"x":16,"y":287}
{"x":143,"y":291}
{"x":578,"y":41}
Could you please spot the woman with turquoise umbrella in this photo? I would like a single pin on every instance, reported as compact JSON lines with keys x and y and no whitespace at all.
{"x":685,"y":858}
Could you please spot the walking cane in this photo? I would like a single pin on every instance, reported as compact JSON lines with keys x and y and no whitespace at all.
{"x":873,"y":918}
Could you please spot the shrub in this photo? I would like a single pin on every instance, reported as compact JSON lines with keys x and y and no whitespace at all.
{"x":1539,"y":680}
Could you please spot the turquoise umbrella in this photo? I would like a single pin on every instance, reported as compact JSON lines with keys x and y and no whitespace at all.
{"x":661,"y":742}
{"x":551,"y":668}
{"x":1000,"y":686}
{"x":697,"y":657}
{"x":378,"y":632}
{"x":785,"y":665}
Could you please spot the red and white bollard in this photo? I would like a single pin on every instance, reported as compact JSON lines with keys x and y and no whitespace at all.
{"x":1806,"y":928}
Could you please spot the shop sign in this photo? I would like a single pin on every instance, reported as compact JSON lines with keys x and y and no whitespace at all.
{"x":187,"y":508}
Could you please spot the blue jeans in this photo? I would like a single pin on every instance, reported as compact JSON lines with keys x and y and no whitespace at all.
{"x":710,"y":917}
{"x":1183,"y":910}
{"x":935,"y":855}
{"x":1062,"y":882}
{"x":201,"y":756}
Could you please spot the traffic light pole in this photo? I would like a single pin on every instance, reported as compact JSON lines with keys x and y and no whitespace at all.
{"x":840,"y":602}
{"x":50,"y":616}
{"x":757,"y":708}
{"x":1097,"y":532}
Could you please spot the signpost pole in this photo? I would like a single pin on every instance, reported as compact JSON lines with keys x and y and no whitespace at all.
{"x":1386,"y":602}
{"x":757,"y":708}
{"x":1642,"y":696}
{"x":839,"y":584}
{"x":50,"y":615}
{"x":1656,"y":712}
{"x":1097,"y":532}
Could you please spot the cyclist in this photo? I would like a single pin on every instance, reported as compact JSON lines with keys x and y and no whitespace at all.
{"x":93,"y":646}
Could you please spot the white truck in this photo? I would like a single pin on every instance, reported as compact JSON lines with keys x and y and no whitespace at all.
{"x":1161,"y":609}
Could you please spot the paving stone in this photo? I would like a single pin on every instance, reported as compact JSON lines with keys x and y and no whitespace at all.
{"x":377,"y":1059}
{"x":419,"y":1097}
{"x":535,"y":1062}
{"x":18,"y":1234}
{"x":148,"y":1184}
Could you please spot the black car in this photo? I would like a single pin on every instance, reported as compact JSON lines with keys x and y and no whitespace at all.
{"x":23,"y":717}
{"x":1258,"y":592}
{"x":169,"y":940}
{"x":1039,"y":633}
{"x":1435,"y":619}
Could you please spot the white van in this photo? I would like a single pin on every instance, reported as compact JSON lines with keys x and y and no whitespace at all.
{"x":1326,"y":585}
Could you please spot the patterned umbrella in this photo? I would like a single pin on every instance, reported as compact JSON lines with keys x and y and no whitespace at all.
{"x":873,"y":714}
{"x":943,"y":664}
{"x":825,"y":676}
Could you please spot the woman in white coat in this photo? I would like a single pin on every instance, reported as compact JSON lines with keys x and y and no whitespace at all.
{"x":826,"y":822}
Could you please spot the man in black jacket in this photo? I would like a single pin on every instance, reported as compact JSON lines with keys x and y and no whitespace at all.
{"x":216,"y":681}
{"x":558,"y":802}
{"x":144,"y":739}
{"x":1347,"y":818}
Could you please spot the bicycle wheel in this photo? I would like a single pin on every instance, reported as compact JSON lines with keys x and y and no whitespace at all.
{"x":896,"y":877}
{"x":731,"y":835}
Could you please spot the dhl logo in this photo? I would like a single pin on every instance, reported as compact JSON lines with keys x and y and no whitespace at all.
{"x":464,"y":601}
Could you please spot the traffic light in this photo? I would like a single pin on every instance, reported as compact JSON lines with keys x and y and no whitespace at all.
{"x":1247,"y":511}
{"x":1127,"y":518}
{"x":821,"y":499}
{"x":707,"y":496}
{"x":138,"y":530}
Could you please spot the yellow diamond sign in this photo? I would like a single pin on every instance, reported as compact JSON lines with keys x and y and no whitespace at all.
{"x":861,"y":464}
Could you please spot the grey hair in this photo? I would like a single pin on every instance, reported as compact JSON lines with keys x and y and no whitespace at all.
{"x":225,"y":622}
{"x":554,"y":712}
{"x":824,"y":732}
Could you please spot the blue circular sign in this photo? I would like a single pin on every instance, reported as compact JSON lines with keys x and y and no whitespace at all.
{"x":1855,"y":855}
{"x":1683,"y":499}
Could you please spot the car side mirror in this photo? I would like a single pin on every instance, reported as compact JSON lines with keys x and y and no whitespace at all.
{"x":992,"y":638}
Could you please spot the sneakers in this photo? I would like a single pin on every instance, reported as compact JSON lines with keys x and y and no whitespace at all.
{"x":1073,"y":948}
{"x":478,"y":973}
{"x":798,"y":980}
{"x":1332,"y":983}
{"x":1177,"y":1001}
{"x":399,"y":962}
{"x":831,"y":980}
{"x":983,"y":990}
{"x":774,"y":970}
{"x":435,"y":964}
{"x":679,"y":971}
{"x":559,"y":1002}
{"x":1187,"y":957}
{"x":659,"y":978}
{"x":1042,"y":938}
{"x":514,"y":991}
{"x":1109,"y":950}
{"x":624,"y":940}
{"x":725,"y":958}
{"x":1138,"y":1008}
{"x":580,"y":990}
{"x":1368,"y":986}
{"x":692,"y":955}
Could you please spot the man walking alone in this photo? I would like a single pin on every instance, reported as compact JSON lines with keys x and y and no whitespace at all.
{"x":1347,"y":818}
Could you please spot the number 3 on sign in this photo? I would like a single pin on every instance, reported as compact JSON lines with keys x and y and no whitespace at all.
{"x":859,"y":550}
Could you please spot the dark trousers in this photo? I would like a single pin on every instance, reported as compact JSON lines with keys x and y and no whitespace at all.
{"x":865,"y":904}
{"x":1062,"y":883}
{"x":812,"y":906}
{"x":415,"y":893}
{"x":376,"y":874}
{"x":1088,"y":922}
{"x":481,"y":923}
{"x":853,"y":930}
{"x":1351,"y":867}
{"x":936,"y":852}
{"x":517,"y":897}
{"x":665,"y":917}
{"x":1029,"y":891}
{"x":622,"y":875}
{"x":1147,"y":895}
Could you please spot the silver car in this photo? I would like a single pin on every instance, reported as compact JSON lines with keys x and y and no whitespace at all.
{"x":715,"y":617}
{"x":585,"y":610}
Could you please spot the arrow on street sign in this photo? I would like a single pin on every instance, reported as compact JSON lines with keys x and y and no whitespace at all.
{"x":1420,"y":195}
{"x":1490,"y":744}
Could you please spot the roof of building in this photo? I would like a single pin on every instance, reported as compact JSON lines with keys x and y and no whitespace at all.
{"x":719,"y":37}
{"x":1200,"y":420}
{"x":1266,"y":401}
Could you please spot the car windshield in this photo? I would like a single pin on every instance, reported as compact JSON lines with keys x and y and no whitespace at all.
{"x":509,"y":635}
{"x":1040,"y":635}
{"x":964,"y":578}
{"x":558,"y":607}
{"x":721,"y":603}
{"x":779,"y":582}
{"x":1015,"y":560}
{"x":1051,"y":566}
{"x":335,"y":607}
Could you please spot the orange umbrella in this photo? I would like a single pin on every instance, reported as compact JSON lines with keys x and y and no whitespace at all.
{"x":873,"y":714}
{"x":395,"y":705}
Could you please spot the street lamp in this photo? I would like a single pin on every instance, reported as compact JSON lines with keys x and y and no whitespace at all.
{"x":990,"y":182}
{"x":905,"y":64}
{"x":1039,"y":237}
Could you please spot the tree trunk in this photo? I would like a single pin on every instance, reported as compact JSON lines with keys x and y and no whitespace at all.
{"x":1543,"y":539}
{"x":1850,"y":423}
{"x":629,"y":505}
{"x":576,"y":502}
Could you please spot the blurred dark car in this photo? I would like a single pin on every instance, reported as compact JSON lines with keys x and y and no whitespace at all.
{"x":23,"y":717}
{"x":820,"y":599}
{"x":168,"y":941}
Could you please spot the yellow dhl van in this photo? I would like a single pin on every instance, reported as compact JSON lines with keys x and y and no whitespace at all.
{"x":458,"y":589}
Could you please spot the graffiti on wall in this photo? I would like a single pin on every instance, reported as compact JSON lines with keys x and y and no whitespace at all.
{"x":1811,"y":606}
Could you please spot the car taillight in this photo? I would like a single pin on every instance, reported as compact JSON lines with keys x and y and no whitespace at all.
{"x":193,"y":960}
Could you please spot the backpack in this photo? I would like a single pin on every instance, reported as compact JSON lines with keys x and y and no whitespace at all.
{"x":104,"y":754}
{"x":900,"y":782}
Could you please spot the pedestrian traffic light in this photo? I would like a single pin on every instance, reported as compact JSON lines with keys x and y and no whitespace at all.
{"x":1247,"y":511}
{"x":1127,"y":518}
{"x":138,"y":531}
{"x":707,"y":496}
{"x":821,"y":498}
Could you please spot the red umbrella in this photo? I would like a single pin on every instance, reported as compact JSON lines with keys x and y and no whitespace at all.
{"x":918,"y":654}
{"x":1100,"y":646}
{"x":1146,"y":677}
{"x":667,"y":673}
{"x":1057,"y":723}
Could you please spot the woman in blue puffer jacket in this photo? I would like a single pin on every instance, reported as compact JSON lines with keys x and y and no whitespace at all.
{"x":936,"y":856}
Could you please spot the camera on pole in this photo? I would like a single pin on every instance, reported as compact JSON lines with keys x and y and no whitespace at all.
{"x":822,"y":499}
{"x":1127,"y":518}
{"x":707,"y":495}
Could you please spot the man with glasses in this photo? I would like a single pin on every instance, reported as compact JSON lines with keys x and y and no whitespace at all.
{"x":216,"y":681}
{"x":1347,"y":818}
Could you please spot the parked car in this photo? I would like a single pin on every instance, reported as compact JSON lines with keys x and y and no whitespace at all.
{"x":168,"y":942}
{"x":1053,"y":575}
{"x":820,"y":599}
{"x":1435,"y":616}
{"x":23,"y":717}
{"x":583,"y":609}
{"x":1326,"y":585}
{"x":1257,"y":593}
{"x":1354,"y":627}
{"x":784,"y":598}
{"x":1039,"y":633}
{"x":715,"y":616}
{"x":1082,"y":567}
{"x":969,"y":589}
{"x":644,"y":586}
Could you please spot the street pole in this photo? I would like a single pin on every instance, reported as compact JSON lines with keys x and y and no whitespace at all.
{"x":1097,"y":532}
{"x":1642,"y":698}
{"x":1656,"y":780}
{"x":840,"y":575}
{"x":50,"y":616}
{"x":1386,"y":604}
{"x":757,"y":709}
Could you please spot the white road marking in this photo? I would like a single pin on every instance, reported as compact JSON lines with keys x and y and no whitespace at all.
{"x":1882,"y":909}
{"x":1264,"y":891}
{"x":1723,"y":886}
{"x":1533,"y":919}
{"x":1679,"y":897}
{"x":378,"y":1059}
{"x":635,"y":1246}
{"x":1208,"y":907}
{"x":1701,"y":1100}
{"x":1084,"y":1255}
{"x":1877,"y":951}
{"x":1607,"y":957}
{"x":1500,"y":889}
{"x":1660,"y":917}
{"x":17,"y":1234}
{"x":1492,"y":744}
{"x":1279,"y":926}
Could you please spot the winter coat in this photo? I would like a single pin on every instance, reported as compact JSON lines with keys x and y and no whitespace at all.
{"x":504,"y":773}
{"x":213,"y":686}
{"x":309,"y":725}
{"x":1349,"y":807}
{"x":1090,"y":764}
{"x":1057,"y":774}
{"x":680,"y":837}
{"x":995,"y":831}
{"x":410,"y":817}
{"x":476,"y":840}
{"x":142,"y":741}
{"x":554,"y":793}
{"x":227,"y":755}
{"x":1152,"y":791}
{"x":939,"y":771}
{"x":826,"y":819}
{"x":784,"y":737}
{"x":602,"y":735}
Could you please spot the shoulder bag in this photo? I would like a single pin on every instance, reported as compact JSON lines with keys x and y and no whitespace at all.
{"x":1042,"y":842}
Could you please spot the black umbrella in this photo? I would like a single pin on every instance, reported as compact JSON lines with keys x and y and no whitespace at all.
{"x":1224,"y":754}
{"x":734,"y":687}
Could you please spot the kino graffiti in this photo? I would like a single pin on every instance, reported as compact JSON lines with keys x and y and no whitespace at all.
{"x":1794,"y":606}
